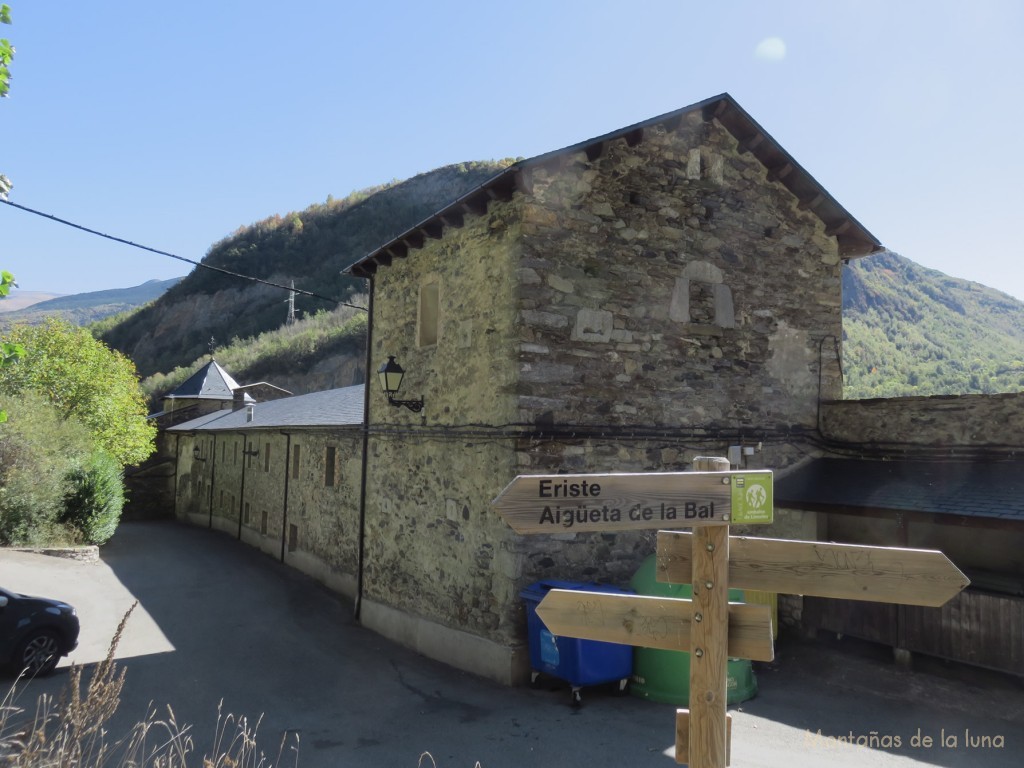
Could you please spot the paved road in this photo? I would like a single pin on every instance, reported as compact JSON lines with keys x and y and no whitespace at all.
{"x":219,"y":621}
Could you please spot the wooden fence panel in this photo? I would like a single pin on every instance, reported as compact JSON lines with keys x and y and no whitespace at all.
{"x":877,"y":622}
{"x":978,"y":628}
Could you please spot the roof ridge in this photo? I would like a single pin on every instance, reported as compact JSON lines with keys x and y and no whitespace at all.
{"x":854,"y":239}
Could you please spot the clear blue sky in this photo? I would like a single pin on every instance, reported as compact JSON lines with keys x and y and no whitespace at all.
{"x":172,"y":124}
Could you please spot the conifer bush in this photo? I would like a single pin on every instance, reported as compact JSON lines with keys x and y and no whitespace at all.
{"x":94,"y":503}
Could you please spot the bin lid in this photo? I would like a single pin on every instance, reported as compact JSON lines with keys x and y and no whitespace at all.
{"x":538,"y":589}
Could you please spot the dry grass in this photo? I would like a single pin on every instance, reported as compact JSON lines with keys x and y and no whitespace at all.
{"x":71,"y":733}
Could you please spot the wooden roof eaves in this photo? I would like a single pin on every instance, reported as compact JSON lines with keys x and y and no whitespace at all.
{"x":853,"y":238}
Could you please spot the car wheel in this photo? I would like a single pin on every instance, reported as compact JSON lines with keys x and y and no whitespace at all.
{"x":38,"y":653}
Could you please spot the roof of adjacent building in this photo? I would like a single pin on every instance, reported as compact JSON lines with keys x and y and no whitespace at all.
{"x":983,"y":489}
{"x":211,"y":382}
{"x":853,"y":238}
{"x":331,"y":408}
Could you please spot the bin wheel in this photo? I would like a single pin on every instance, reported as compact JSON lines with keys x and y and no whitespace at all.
{"x":621,"y":687}
{"x":577,"y":697}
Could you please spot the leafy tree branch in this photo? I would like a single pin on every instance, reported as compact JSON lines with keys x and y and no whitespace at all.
{"x":6,"y":55}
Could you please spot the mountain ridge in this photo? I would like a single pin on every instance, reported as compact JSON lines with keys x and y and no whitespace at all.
{"x":88,"y":307}
{"x":18,"y":299}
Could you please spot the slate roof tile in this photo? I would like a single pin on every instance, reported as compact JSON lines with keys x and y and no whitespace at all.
{"x":330,"y":408}
{"x":992,"y":489}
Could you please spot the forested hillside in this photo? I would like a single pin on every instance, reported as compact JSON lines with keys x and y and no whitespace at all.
{"x":322,"y":351}
{"x":310,"y":247}
{"x":910,"y":330}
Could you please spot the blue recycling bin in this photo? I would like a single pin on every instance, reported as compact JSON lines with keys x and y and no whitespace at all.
{"x":578,"y":662}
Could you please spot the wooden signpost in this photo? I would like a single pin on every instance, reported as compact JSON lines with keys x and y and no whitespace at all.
{"x":708,"y":626}
{"x":651,"y":622}
{"x":642,"y":501}
{"x":821,"y":569}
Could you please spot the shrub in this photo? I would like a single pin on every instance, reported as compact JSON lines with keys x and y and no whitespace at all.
{"x":38,"y":452}
{"x":94,"y":503}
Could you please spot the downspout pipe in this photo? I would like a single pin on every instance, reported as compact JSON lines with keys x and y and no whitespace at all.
{"x":287,"y":475}
{"x":177,"y":460}
{"x":213,"y":476}
{"x":361,"y":554}
{"x":241,"y":493}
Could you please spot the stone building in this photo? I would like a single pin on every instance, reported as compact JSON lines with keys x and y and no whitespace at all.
{"x":282,"y":476}
{"x":151,"y":485}
{"x":624,"y":304}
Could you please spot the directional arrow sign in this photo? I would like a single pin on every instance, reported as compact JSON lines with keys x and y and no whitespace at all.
{"x":845,"y":571}
{"x":618,"y":502}
{"x":651,"y":622}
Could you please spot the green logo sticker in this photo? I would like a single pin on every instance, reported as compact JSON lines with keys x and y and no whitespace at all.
{"x":752,"y":499}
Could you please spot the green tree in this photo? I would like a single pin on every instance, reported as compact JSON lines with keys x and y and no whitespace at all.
{"x":40,"y":452}
{"x":6,"y":54}
{"x":9,"y":353}
{"x":84,"y":380}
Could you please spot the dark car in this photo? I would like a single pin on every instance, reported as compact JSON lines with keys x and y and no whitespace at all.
{"x":35,"y":632}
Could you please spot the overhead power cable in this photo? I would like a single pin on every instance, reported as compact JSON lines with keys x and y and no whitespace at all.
{"x":180,"y":258}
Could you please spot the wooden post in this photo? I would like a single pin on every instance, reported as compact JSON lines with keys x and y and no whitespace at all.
{"x":709,"y":638}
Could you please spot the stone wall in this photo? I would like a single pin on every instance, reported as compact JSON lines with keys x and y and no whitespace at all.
{"x":313,"y":528}
{"x":960,"y":421}
{"x":325,"y":540}
{"x":441,"y":572}
{"x":672,"y":284}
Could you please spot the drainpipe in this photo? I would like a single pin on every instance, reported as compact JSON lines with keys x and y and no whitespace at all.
{"x":177,"y":458}
{"x":287,"y":474}
{"x":366,"y":455}
{"x":213,"y":476}
{"x":241,"y":493}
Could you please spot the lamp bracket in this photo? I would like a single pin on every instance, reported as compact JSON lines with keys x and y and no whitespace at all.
{"x":413,"y":405}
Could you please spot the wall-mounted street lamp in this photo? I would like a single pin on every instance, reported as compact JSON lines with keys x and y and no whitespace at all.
{"x":197,"y":454}
{"x":390,"y":375}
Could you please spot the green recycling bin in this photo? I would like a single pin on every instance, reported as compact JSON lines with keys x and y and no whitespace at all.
{"x":664,"y":676}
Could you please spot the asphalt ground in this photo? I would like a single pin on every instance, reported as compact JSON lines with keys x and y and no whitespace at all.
{"x":221,"y":627}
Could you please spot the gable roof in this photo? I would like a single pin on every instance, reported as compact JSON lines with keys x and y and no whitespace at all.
{"x":853,"y":238}
{"x":211,"y":382}
{"x":966,"y":489}
{"x":330,"y":408}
